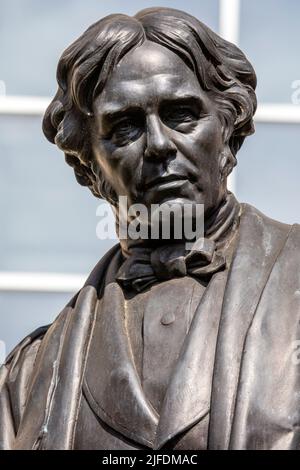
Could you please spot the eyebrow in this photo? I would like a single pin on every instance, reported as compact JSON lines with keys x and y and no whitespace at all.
{"x":183,"y":99}
{"x":113,"y":111}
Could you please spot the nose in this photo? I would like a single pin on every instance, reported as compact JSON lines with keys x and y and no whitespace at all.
{"x":159,"y":144}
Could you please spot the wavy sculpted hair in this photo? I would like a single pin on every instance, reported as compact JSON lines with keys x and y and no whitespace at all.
{"x":85,"y":66}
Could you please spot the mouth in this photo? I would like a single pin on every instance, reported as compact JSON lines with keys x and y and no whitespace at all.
{"x":168,"y":181}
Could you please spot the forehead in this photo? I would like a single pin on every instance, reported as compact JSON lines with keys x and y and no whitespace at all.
{"x":144,"y":76}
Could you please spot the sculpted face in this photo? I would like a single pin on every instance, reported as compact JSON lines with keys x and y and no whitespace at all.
{"x":157,"y":136}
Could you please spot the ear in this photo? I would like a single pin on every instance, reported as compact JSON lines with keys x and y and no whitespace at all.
{"x":227,"y":162}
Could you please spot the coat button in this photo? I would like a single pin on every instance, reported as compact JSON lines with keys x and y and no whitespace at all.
{"x":167,"y":318}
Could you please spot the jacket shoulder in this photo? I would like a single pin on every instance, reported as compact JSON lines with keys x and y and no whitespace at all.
{"x":269,"y":222}
{"x":288,"y":233}
{"x":28,"y":342}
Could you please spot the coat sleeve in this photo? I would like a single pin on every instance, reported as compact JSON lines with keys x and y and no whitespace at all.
{"x":15,"y":375}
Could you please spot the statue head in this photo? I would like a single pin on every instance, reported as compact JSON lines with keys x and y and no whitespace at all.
{"x":152,"y":107}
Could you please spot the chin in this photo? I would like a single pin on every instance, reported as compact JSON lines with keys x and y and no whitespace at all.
{"x":175,"y":199}
{"x":182,"y":208}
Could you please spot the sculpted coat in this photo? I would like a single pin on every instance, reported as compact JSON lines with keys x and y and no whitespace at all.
{"x":86,"y":392}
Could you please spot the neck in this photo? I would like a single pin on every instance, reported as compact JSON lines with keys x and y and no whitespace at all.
{"x":220,"y":226}
{"x":222,"y":223}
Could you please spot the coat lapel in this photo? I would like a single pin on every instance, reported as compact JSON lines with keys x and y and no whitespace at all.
{"x":56,"y":385}
{"x":57,"y":379}
{"x":267,"y":412}
{"x":187,"y":400}
{"x":112,"y":385}
{"x":260,"y":243}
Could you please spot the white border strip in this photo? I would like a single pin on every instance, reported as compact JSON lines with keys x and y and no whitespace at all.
{"x":266,"y":112}
{"x":28,"y":105}
{"x":229,"y":29}
{"x":278,"y":113}
{"x":40,"y":282}
{"x":229,"y":20}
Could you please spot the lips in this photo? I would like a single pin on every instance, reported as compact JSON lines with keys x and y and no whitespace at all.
{"x":162,"y":180}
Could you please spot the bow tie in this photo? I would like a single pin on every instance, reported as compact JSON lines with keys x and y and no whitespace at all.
{"x":145,"y":266}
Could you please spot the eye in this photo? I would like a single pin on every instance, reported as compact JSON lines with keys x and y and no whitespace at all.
{"x":181,"y":118}
{"x":181,"y":114}
{"x":126,"y":130}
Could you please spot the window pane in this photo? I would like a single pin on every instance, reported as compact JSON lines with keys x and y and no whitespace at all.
{"x":268,"y":171}
{"x":33,"y":34}
{"x":48,"y":221}
{"x":270,"y":37}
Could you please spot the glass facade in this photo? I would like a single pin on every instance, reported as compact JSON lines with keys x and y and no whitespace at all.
{"x":270,"y":37}
{"x":268,"y":171}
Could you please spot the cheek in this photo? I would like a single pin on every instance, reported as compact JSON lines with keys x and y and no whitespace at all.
{"x":120,"y":165}
{"x":202,"y":146}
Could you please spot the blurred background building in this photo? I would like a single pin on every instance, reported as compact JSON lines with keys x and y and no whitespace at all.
{"x":48,"y":222}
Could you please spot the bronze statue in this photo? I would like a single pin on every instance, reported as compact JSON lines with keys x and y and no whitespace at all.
{"x":163,"y":348}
